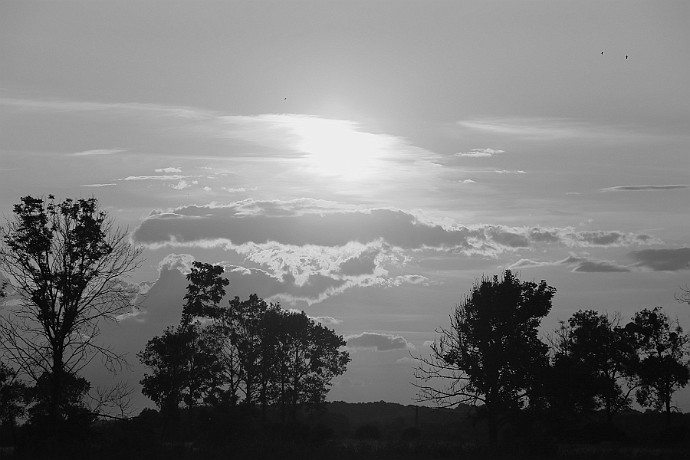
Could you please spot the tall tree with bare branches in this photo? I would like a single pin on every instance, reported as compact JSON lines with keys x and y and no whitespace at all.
{"x":491,"y":353}
{"x":66,"y":263}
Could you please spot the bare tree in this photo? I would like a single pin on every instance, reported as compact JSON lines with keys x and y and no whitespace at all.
{"x":66,"y":262}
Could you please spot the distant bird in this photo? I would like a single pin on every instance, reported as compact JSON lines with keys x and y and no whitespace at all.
{"x":602,"y":53}
{"x":285,"y":99}
{"x":626,"y":56}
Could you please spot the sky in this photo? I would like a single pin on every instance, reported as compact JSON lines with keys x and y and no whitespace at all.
{"x":363,"y":161}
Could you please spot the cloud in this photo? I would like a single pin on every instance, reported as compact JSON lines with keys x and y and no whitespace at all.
{"x":98,"y":185}
{"x":168,"y":170}
{"x":637,"y":188}
{"x":480,"y":153}
{"x":97,"y":152}
{"x":577,"y":264}
{"x":326,"y":320}
{"x":529,"y":263}
{"x":180,"y":262}
{"x":364,"y":263}
{"x":183,"y":184}
{"x":584,"y":265}
{"x":468,"y":181}
{"x":164,"y":177}
{"x":325,"y":224}
{"x":507,"y":171}
{"x":305,"y":251}
{"x":662,"y":259}
{"x":546,"y":128}
{"x":378,"y":342}
{"x":607,"y":238}
{"x":62,"y":106}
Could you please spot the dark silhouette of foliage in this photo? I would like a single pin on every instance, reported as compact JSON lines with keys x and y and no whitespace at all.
{"x":184,"y":367}
{"x":302,"y":356}
{"x":662,"y":369}
{"x":594,"y":362}
{"x":66,"y":262}
{"x":491,"y":353}
{"x":249,"y":352}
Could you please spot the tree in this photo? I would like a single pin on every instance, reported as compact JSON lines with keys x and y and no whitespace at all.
{"x":304,"y":357}
{"x":663,"y":348}
{"x":491,"y":354}
{"x":184,"y":360}
{"x":597,"y":350}
{"x":184,"y":367}
{"x":66,"y":262}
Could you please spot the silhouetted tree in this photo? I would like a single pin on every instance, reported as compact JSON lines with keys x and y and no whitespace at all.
{"x":593,"y":356}
{"x":662,"y":369}
{"x":185,"y":360}
{"x":184,"y":367}
{"x":243,"y":324}
{"x":66,"y":262}
{"x":491,"y":353}
{"x":250,"y":351}
{"x":305,"y":355}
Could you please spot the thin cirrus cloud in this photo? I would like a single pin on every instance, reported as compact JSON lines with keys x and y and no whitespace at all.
{"x":166,"y":177}
{"x":378,"y":342}
{"x":96,"y":152}
{"x":644,"y":188}
{"x":535,"y":128}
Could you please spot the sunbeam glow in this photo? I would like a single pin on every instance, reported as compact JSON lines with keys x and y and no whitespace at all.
{"x":336,"y":149}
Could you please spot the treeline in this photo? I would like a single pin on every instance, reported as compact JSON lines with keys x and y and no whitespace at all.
{"x":248,"y":352}
{"x":590,"y":369}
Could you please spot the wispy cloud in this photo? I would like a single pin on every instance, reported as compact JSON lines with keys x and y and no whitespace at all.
{"x":639,"y":188}
{"x":546,"y":128}
{"x":99,"y":185}
{"x":66,"y":106}
{"x":171,"y":177}
{"x":97,"y":152}
{"x":576,"y":264}
{"x":480,"y":153}
{"x":585,"y":265}
{"x":507,"y":171}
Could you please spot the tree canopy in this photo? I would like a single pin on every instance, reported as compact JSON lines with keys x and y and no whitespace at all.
{"x":249,"y":352}
{"x":66,"y":261}
{"x":491,"y":351}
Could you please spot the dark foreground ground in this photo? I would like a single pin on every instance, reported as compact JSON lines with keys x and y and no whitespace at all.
{"x":342,"y":431}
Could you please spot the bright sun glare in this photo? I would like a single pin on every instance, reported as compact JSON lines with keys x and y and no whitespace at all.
{"x":336,"y":149}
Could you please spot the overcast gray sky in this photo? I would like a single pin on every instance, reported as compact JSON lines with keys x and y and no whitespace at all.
{"x":365,"y":161}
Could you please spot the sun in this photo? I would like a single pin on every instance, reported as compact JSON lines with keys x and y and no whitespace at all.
{"x":337,"y":149}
